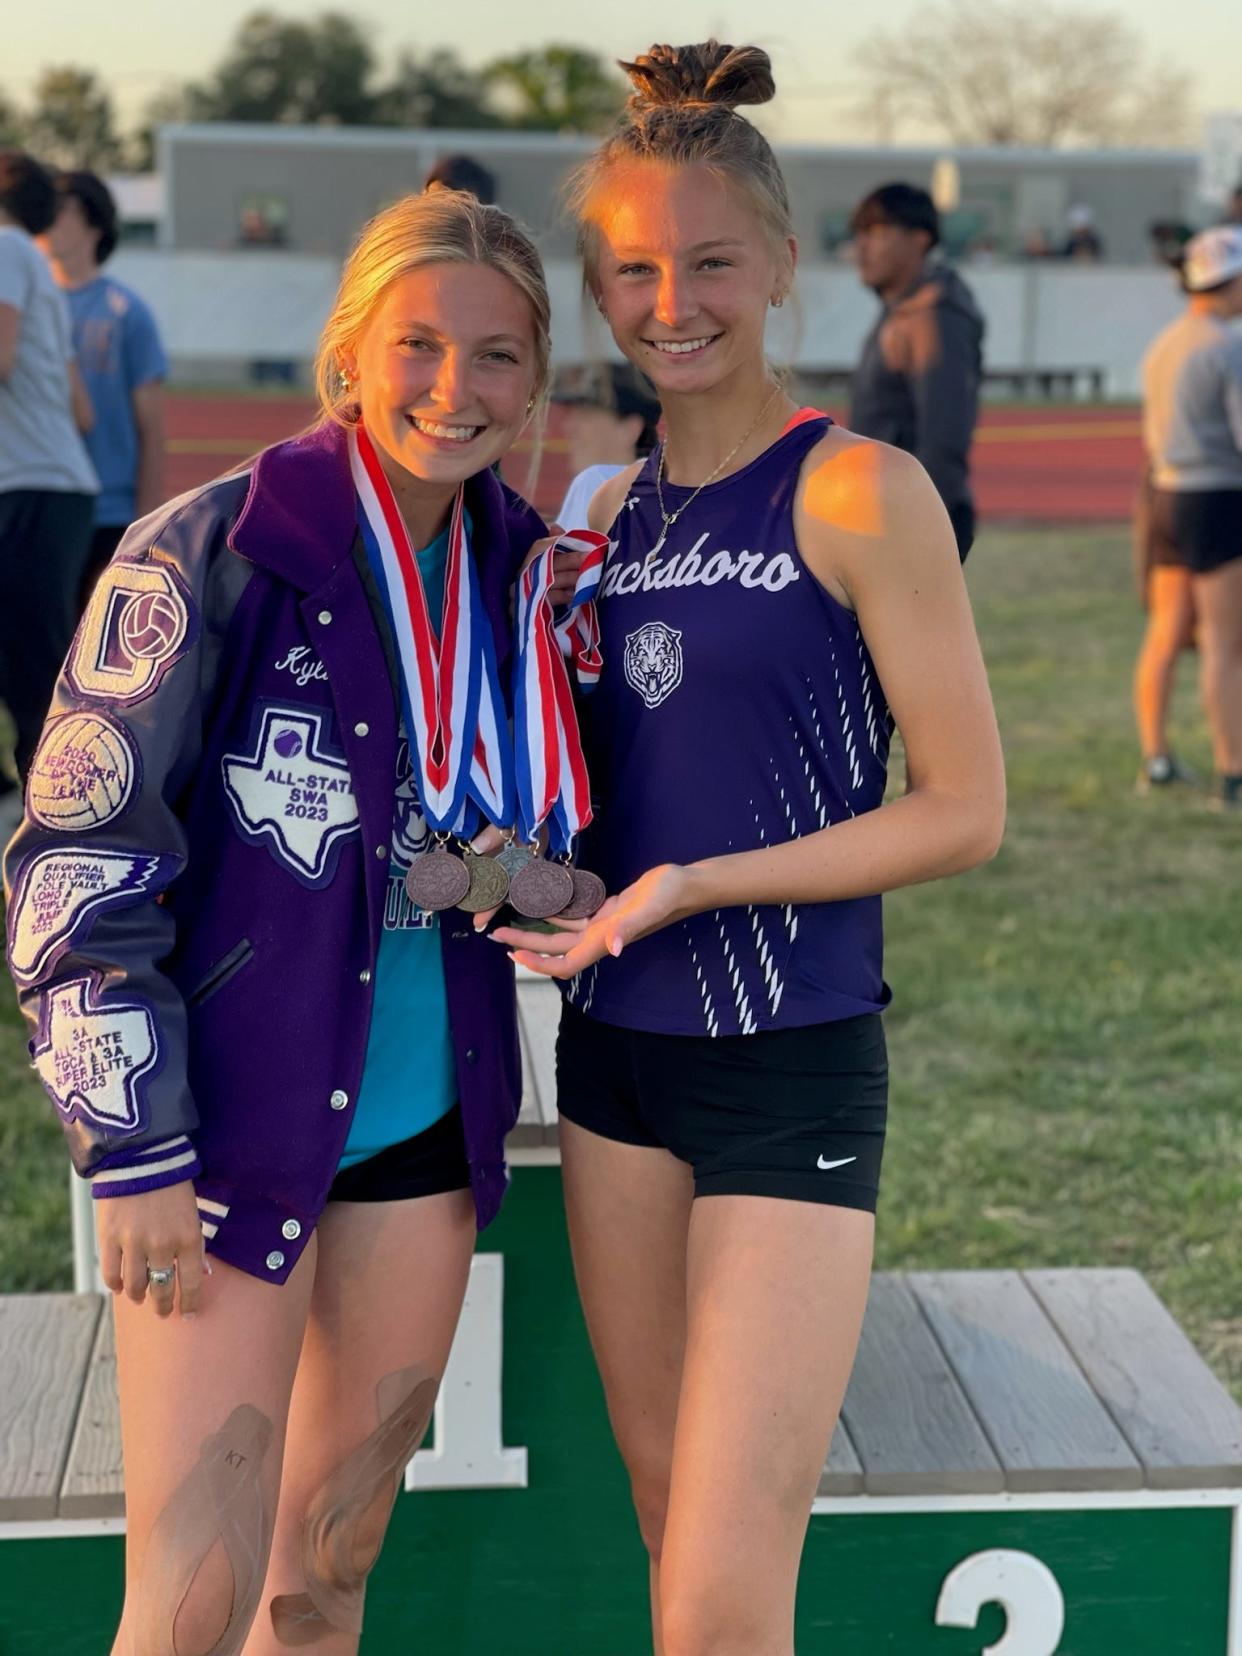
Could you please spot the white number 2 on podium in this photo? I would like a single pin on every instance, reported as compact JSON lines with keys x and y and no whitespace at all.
{"x":1026,"y":1588}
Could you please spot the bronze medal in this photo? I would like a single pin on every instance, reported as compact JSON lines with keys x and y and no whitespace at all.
{"x":489,"y":884}
{"x":589,"y":894}
{"x":437,"y":880}
{"x":541,"y":889}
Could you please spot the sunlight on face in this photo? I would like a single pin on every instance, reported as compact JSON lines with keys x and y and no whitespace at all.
{"x":446,"y":367}
{"x":686,"y":274}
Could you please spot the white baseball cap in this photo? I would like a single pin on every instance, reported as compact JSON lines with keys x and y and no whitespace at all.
{"x":1213,"y":257}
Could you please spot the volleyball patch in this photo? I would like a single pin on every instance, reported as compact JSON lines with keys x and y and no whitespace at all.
{"x":138,"y":623}
{"x":653,"y":661}
{"x":57,"y":895}
{"x":94,"y":1056}
{"x":85,"y":773}
{"x":293,"y":792}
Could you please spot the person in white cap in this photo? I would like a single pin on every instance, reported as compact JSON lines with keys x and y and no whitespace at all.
{"x":1192,"y":428}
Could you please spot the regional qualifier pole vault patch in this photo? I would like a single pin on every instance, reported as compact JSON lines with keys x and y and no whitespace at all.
{"x":57,"y":895}
{"x":292,"y":792}
{"x":95,"y":1056}
{"x":85,"y":773}
{"x":139,"y":622}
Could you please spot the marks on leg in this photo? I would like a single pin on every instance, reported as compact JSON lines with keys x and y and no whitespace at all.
{"x":206,"y":1555}
{"x":345,"y":1522}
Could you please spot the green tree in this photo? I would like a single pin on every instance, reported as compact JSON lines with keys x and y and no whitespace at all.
{"x":71,"y":124}
{"x":12,"y":128}
{"x":435,"y":91}
{"x":278,"y":69}
{"x":556,"y":89}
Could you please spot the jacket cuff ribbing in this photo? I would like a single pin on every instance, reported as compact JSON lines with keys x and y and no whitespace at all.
{"x":151,"y":1167}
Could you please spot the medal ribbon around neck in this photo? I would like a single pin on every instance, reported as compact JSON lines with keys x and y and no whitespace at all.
{"x":450,"y":687}
{"x":577,"y":631}
{"x":552,"y":783}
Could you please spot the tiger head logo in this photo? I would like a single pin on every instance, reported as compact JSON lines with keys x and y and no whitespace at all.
{"x":653,"y":661}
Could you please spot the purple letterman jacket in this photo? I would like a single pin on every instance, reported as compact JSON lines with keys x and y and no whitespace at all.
{"x":195,"y":896}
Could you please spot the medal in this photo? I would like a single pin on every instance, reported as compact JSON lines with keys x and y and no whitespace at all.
{"x":588,"y":894}
{"x":541,"y":889}
{"x":489,"y":884}
{"x":514,"y":858}
{"x":437,"y":880}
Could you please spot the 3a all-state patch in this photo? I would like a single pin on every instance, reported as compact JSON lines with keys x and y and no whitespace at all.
{"x":85,"y":773}
{"x":95,"y":1055}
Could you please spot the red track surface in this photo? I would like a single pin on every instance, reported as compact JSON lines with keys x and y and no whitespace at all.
{"x":1040,"y":465}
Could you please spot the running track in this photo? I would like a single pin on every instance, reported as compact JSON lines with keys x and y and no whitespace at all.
{"x":1035,"y":465}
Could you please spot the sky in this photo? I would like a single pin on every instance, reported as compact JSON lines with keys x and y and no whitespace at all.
{"x":140,"y":47}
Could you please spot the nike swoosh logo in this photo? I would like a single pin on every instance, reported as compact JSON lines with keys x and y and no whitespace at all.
{"x":826,"y":1165}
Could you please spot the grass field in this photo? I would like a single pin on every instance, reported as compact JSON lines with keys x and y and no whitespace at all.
{"x":1064,"y":1037}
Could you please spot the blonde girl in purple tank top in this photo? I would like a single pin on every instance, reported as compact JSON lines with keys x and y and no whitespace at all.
{"x":723,"y":1094}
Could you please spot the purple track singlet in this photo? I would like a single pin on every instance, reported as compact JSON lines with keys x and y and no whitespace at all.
{"x":738,"y":707}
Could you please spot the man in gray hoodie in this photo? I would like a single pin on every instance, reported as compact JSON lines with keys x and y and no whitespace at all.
{"x":917,"y":382}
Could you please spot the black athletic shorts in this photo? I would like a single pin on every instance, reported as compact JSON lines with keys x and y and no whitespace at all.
{"x":1197,"y":529}
{"x":428,"y":1164}
{"x":798,"y":1113}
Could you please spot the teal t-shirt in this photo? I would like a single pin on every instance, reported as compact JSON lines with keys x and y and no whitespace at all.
{"x":409,"y":1077}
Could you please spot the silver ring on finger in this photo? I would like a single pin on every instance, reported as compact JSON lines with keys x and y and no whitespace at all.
{"x":159,"y":1276}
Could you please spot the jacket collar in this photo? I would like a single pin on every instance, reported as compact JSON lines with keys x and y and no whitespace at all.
{"x":300,"y":514}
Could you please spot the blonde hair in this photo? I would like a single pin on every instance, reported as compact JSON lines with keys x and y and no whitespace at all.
{"x":682,"y":112}
{"x":440,"y":226}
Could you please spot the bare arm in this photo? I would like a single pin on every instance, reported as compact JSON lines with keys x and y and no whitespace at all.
{"x":873,"y":530}
{"x":10,"y":331}
{"x":148,"y":405}
{"x":79,"y":397}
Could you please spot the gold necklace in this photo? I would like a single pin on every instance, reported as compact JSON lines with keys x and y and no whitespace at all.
{"x":670,"y":518}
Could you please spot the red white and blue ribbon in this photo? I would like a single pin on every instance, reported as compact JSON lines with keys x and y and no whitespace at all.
{"x":552,"y":784}
{"x":577,"y":630}
{"x":450,"y":687}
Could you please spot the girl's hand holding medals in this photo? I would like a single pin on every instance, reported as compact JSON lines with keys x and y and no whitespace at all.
{"x":659,"y":897}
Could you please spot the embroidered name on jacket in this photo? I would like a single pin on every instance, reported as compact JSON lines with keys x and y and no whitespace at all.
{"x":292,"y":791}
{"x":57,"y":895}
{"x":138,"y":623}
{"x":93,"y":1054}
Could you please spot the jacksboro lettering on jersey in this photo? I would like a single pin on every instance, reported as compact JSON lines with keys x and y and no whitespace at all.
{"x":697,"y":567}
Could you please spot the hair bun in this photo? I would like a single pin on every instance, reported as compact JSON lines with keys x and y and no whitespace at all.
{"x":706,"y":74}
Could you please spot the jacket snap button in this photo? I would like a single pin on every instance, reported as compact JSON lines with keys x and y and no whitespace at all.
{"x":339,"y":1099}
{"x":364,"y":976}
{"x":472,"y":1056}
{"x":291,"y":1230}
{"x":275,"y":1260}
{"x":325,"y":618}
{"x":381,"y":850}
{"x":362,"y":728}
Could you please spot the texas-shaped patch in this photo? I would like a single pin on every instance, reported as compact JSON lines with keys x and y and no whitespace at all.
{"x":292,"y":791}
{"x":57,"y":895}
{"x":94,"y":1055}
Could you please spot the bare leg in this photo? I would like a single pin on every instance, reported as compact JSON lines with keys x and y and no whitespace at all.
{"x":1170,"y":627}
{"x":1218,"y":601}
{"x":777,"y":1291}
{"x":203,"y":1409}
{"x":377,"y":1342}
{"x":628,"y":1209}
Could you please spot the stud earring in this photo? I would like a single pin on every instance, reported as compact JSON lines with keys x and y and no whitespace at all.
{"x":778,"y":301}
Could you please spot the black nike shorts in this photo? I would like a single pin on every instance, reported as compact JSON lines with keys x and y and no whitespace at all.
{"x":797,"y":1113}
{"x":428,"y":1164}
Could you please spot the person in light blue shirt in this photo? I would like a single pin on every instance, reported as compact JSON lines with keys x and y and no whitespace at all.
{"x":120,"y":358}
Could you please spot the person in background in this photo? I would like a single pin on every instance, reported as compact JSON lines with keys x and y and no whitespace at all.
{"x":120,"y":358}
{"x":1233,"y":211}
{"x":47,"y":483}
{"x":917,"y":382}
{"x":610,"y":421}
{"x":1192,"y":429}
{"x":461,"y":172}
{"x":1083,"y":241}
